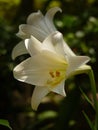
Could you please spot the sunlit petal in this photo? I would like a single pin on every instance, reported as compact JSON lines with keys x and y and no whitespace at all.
{"x":31,"y":71}
{"x":54,"y":43}
{"x":75,"y":62}
{"x":19,"y":49}
{"x":33,"y":46}
{"x":38,"y":94}
{"x":36,"y":70}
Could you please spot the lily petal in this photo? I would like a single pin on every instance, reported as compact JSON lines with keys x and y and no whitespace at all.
{"x":38,"y":94}
{"x":31,"y":71}
{"x":57,"y":41}
{"x":25,"y":31}
{"x":82,"y":69}
{"x":35,"y":70}
{"x":68,"y":50}
{"x":18,"y":50}
{"x":75,"y":62}
{"x":54,"y":43}
{"x":60,"y":89}
{"x":49,"y":18}
{"x":37,"y":20}
{"x":43,"y":23}
{"x":48,"y":43}
{"x":33,"y":46}
{"x":36,"y":16}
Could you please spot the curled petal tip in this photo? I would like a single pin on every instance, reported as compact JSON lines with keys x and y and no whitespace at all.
{"x":18,"y":50}
{"x":57,"y":37}
{"x":57,"y":8}
{"x":21,"y":33}
{"x":88,"y":58}
{"x":31,"y":18}
{"x":52,"y":11}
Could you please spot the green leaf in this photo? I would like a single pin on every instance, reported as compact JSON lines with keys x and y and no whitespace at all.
{"x":88,"y":100}
{"x":5,"y":123}
{"x":89,"y":121}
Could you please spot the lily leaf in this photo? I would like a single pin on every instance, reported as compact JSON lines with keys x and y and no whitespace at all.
{"x":5,"y":123}
{"x":88,"y":100}
{"x":89,"y":121}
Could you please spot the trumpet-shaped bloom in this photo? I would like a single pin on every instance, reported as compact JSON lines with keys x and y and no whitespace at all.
{"x":38,"y":25}
{"x":49,"y":65}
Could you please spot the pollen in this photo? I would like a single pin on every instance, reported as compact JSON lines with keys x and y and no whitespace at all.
{"x":56,"y":78}
{"x":57,"y":74}
{"x":52,"y":74}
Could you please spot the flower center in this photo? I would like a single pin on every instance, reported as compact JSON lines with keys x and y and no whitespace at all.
{"x":57,"y":72}
{"x":56,"y":77}
{"x":54,"y":74}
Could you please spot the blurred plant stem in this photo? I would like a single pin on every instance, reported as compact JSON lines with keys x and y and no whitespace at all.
{"x":68,"y":109}
{"x":94,"y":93}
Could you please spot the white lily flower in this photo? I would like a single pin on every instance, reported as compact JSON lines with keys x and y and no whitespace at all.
{"x":39,"y":26}
{"x":50,"y":64}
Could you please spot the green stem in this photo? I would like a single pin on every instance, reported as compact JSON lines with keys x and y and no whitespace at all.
{"x":88,"y":70}
{"x":94,"y":92}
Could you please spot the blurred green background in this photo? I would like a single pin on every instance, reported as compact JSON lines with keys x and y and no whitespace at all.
{"x":79,"y":24}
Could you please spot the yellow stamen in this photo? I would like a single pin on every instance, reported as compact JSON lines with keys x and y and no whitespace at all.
{"x":56,"y":77}
{"x":57,"y":74}
{"x":51,"y":74}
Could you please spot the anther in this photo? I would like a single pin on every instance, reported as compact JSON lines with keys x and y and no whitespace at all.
{"x":52,"y":74}
{"x":57,"y":73}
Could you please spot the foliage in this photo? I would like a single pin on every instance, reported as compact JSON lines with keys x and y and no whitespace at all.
{"x":5,"y":123}
{"x":79,"y":25}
